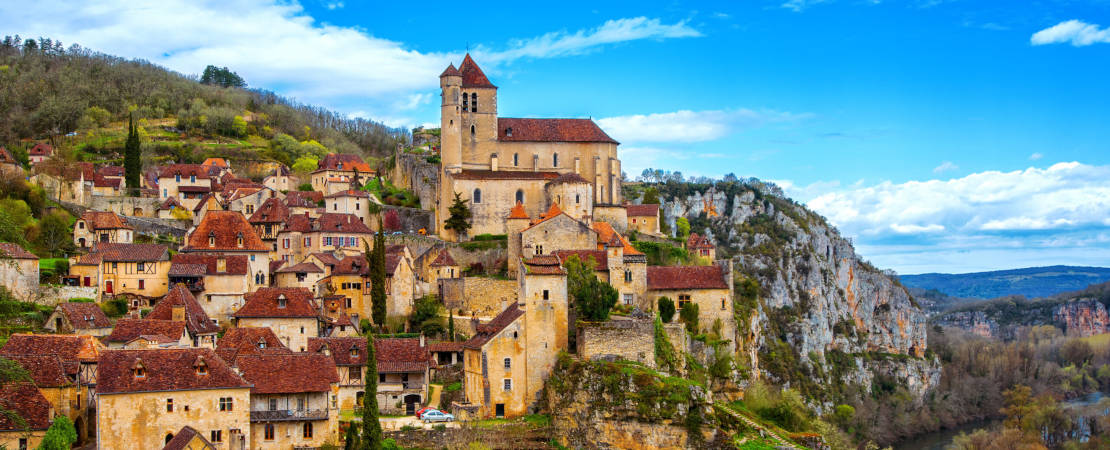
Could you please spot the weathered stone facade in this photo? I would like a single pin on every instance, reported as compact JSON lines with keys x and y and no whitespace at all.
{"x":629,"y":339}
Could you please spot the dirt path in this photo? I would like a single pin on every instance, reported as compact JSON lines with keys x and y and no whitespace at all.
{"x":434,"y":391}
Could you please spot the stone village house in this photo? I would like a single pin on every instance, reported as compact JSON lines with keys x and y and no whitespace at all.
{"x":294,"y":399}
{"x":19,"y":271}
{"x":227,"y":233}
{"x":218,"y":282}
{"x":133,"y":270}
{"x":78,"y":318}
{"x":291,"y":313}
{"x":96,"y":226}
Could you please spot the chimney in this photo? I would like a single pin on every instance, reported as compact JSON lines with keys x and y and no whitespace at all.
{"x":178,"y":313}
{"x":421,"y":340}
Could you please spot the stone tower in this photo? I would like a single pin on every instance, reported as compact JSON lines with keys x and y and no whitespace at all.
{"x":516,"y":222}
{"x":450,"y":85}
{"x":543,"y":297}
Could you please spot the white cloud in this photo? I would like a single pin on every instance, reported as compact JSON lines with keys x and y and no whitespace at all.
{"x":277,"y":45}
{"x":800,"y":5}
{"x":945,"y":167}
{"x":689,"y":126}
{"x":1077,"y":32}
{"x":916,"y":229}
{"x":1035,"y":156}
{"x":334,"y":5}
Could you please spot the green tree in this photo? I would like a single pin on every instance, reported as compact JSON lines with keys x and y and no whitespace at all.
{"x":683,"y":227}
{"x":459,"y":220}
{"x":11,"y":230}
{"x":351,"y":439}
{"x":222,"y":77}
{"x":305,"y":187}
{"x":593,"y":298}
{"x":305,"y":164}
{"x":371,"y":428}
{"x":451,"y":327}
{"x":376,"y":262}
{"x":666,"y":309}
{"x":53,"y":235}
{"x":425,"y":316}
{"x":689,"y":315}
{"x":132,"y":158}
{"x":651,"y":196}
{"x":239,"y":126}
{"x":97,"y":117}
{"x":60,"y":436}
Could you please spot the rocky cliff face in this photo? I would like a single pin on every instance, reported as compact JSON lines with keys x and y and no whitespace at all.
{"x":1083,"y":318}
{"x":838,"y":316}
{"x":976,"y":322}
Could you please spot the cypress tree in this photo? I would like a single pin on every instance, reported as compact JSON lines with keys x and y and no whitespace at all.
{"x":132,"y":158}
{"x":451,"y":325}
{"x":371,"y":428}
{"x":377,"y":278}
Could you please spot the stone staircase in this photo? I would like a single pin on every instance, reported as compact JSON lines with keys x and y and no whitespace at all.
{"x":780,"y":441}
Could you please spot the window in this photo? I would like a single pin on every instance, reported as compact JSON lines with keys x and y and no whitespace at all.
{"x":683,"y":299}
{"x":142,"y":284}
{"x":202,"y":369}
{"x":239,"y":240}
{"x":516,"y":158}
{"x":351,"y":241}
{"x":192,"y":178}
{"x":273,"y":404}
{"x":23,"y":443}
{"x":302,"y":330}
{"x":165,"y":192}
{"x":477,"y":196}
{"x":285,"y":243}
{"x":211,"y":239}
{"x":381,"y":378}
{"x":627,"y":276}
{"x":335,"y":206}
{"x":281,"y":301}
{"x":169,"y":405}
{"x":722,"y":304}
{"x":520,"y":196}
{"x":217,"y":436}
{"x":177,"y":178}
{"x":472,"y":130}
{"x":300,"y":404}
{"x":355,"y":373}
{"x":577,"y":198}
{"x":508,"y":384}
{"x":539,"y":249}
{"x":545,"y":294}
{"x":348,"y":302}
{"x":268,"y":432}
{"x":307,"y":430}
{"x":140,"y":372}
{"x":466,"y":102}
{"x":628,"y":299}
{"x":508,"y":363}
{"x":226,"y":404}
{"x":555,"y":160}
{"x":307,"y":242}
{"x":114,"y":267}
{"x":474,"y":102}
{"x":81,"y":225}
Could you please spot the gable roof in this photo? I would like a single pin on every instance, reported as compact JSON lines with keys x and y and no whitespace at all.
{"x":349,"y":193}
{"x":685,"y":277}
{"x":444,"y":259}
{"x":71,"y":348}
{"x":45,"y":370}
{"x":551,"y":213}
{"x":192,"y":264}
{"x":264,"y":303}
{"x":6,"y":156}
{"x":183,"y":437}
{"x":303,"y":199}
{"x":245,"y":340}
{"x":196,"y":320}
{"x":185,"y":170}
{"x":608,"y":237}
{"x":697,"y":241}
{"x":344,"y":162}
{"x":472,"y":75}
{"x":398,"y":355}
{"x":217,"y":162}
{"x":353,"y":265}
{"x":171,"y":369}
{"x":511,"y":129}
{"x":304,"y":267}
{"x":226,"y":227}
{"x":340,"y":349}
{"x":485,"y":332}
{"x":518,"y":212}
{"x":14,"y":251}
{"x":288,"y":373}
{"x":544,"y":265}
{"x":170,"y":203}
{"x":41,"y":149}
{"x":117,"y":252}
{"x":25,"y":400}
{"x":84,"y":316}
{"x":343,"y":223}
{"x":128,"y":329}
{"x":450,"y":71}
{"x":648,"y":210}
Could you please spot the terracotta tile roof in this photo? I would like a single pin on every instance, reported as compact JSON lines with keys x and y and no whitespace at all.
{"x":599,"y":257}
{"x":697,"y":241}
{"x":276,"y":264}
{"x":487,"y":331}
{"x":264,"y":303}
{"x":129,"y":329}
{"x":544,"y":265}
{"x":344,"y":319}
{"x":84,"y":316}
{"x":397,"y":355}
{"x":685,"y":277}
{"x":25,"y":400}
{"x":392,"y":262}
{"x":569,"y":177}
{"x":504,"y":175}
{"x":551,"y":213}
{"x":170,"y":203}
{"x":102,"y":181}
{"x":349,"y":193}
{"x":226,"y":227}
{"x":303,"y":199}
{"x":217,"y":162}
{"x":185,"y":170}
{"x":102,"y":220}
{"x":196,"y":320}
{"x":649,"y":210}
{"x":444,"y":259}
{"x":550,"y":130}
{"x":299,"y":224}
{"x":6,"y":157}
{"x":14,"y":251}
{"x":335,"y":161}
{"x":115,"y":252}
{"x":111,"y":171}
{"x":246,"y":340}
{"x":343,"y":223}
{"x":194,"y":189}
{"x":608,"y":237}
{"x":70,"y":348}
{"x":445,"y":347}
{"x":472,"y":76}
{"x":450,"y":71}
{"x":288,"y":373}
{"x":304,"y":267}
{"x":327,"y":258}
{"x":341,"y":349}
{"x":187,"y":264}
{"x":353,"y":265}
{"x":41,"y":149}
{"x":518,"y":212}
{"x":166,"y":370}
{"x":45,"y":370}
{"x":183,"y":437}
{"x":85,"y":170}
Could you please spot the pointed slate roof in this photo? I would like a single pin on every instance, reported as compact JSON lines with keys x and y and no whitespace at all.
{"x":472,"y":75}
{"x":450,"y":71}
{"x":518,"y":212}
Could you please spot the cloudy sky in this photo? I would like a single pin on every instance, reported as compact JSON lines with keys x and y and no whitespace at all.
{"x":942,"y":135}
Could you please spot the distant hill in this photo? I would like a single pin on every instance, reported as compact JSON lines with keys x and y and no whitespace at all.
{"x":1032,"y":282}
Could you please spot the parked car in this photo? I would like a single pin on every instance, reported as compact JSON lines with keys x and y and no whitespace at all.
{"x":424,"y":410}
{"x":437,"y":416}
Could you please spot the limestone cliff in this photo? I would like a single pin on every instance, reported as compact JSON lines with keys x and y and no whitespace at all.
{"x":1079,"y":313}
{"x":822,"y":314}
{"x":1083,"y":318}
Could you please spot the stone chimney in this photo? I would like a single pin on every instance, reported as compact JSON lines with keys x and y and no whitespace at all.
{"x":178,"y":313}
{"x":421,"y":340}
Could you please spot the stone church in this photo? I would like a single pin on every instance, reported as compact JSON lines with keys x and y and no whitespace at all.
{"x":496,"y":162}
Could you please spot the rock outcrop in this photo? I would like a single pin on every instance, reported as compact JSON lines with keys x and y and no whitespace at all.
{"x":975,"y":322}
{"x":1083,"y":318}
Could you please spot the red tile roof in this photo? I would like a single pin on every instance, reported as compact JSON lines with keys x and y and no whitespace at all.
{"x":599,"y":257}
{"x":129,"y":329}
{"x":264,"y":303}
{"x":170,"y":203}
{"x":550,"y":130}
{"x":685,"y":277}
{"x":303,"y":199}
{"x":305,"y":267}
{"x":111,"y":171}
{"x":353,"y":265}
{"x":288,"y":373}
{"x":115,"y":252}
{"x":196,"y":320}
{"x":445,"y":347}
{"x":544,"y":265}
{"x":217,"y":162}
{"x":70,"y":348}
{"x":349,"y":193}
{"x":551,"y":213}
{"x":697,"y":241}
{"x":472,"y":76}
{"x":245,"y":341}
{"x":41,"y":149}
{"x":46,"y":371}
{"x":450,"y":71}
{"x":166,"y":370}
{"x":487,"y":331}
{"x":234,"y":264}
{"x":6,"y":157}
{"x":342,"y":223}
{"x":185,"y":170}
{"x":334,"y":161}
{"x":341,"y":349}
{"x":183,"y":437}
{"x":444,"y":259}
{"x":84,"y":316}
{"x":649,"y":210}
{"x":569,"y":177}
{"x":398,"y":355}
{"x":25,"y":400}
{"x":226,"y":227}
{"x":518,"y":212}
{"x":608,"y":237}
{"x":14,"y":251}
{"x":504,"y":175}
{"x":327,"y":258}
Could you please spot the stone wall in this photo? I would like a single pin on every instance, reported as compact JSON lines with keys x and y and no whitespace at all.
{"x":630,"y":339}
{"x":413,"y":219}
{"x":415,"y":173}
{"x":125,"y":206}
{"x":154,"y":225}
{"x":52,"y":295}
{"x":480,"y":296}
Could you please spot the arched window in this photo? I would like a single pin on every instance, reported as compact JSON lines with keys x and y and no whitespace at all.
{"x":520,"y":196}
{"x":169,"y":437}
{"x":466,"y":102}
{"x":555,"y":160}
{"x":477,"y":196}
{"x":472,"y":130}
{"x":516,"y":157}
{"x":474,"y":102}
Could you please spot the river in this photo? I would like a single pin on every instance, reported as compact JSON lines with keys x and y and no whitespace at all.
{"x":938,"y":440}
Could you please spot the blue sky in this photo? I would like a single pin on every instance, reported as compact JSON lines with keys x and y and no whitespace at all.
{"x":941,"y":135}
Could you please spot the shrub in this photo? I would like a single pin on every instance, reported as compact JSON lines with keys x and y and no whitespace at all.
{"x":81,"y":300}
{"x":666,"y":309}
{"x":689,"y":316}
{"x":305,"y":187}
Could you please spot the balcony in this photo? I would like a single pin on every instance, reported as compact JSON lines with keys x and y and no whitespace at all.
{"x":280,"y":415}
{"x":399,"y":386}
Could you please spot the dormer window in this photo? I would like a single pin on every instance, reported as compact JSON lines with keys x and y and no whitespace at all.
{"x":200,"y":366}
{"x":211,"y":239}
{"x":261,"y":343}
{"x":138,"y":370}
{"x":281,"y":301}
{"x":239,"y":240}
{"x":177,"y":178}
{"x":339,"y":166}
{"x":354,"y":353}
{"x":192,"y":178}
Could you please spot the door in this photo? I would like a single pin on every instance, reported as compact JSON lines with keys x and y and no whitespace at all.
{"x":88,"y":281}
{"x":410,"y":403}
{"x":108,"y":287}
{"x":499,"y":410}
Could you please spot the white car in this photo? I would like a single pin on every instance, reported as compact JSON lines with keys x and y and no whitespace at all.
{"x":436,"y":416}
